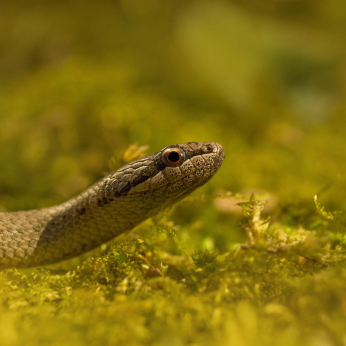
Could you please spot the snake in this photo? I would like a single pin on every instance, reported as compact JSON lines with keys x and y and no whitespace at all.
{"x":115,"y":204}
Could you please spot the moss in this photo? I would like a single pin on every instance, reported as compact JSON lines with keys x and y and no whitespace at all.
{"x":284,"y":284}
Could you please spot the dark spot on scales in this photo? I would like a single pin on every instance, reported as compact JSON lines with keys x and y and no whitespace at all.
{"x":81,"y":211}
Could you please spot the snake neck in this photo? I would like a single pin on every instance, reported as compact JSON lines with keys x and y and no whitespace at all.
{"x":49,"y":235}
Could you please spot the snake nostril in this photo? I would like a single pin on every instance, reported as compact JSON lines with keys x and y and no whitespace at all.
{"x":210,"y":149}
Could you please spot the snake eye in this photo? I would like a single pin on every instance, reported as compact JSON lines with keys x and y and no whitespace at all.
{"x":173,"y":156}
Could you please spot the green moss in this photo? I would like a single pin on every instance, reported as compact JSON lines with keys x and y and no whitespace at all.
{"x":284,"y":284}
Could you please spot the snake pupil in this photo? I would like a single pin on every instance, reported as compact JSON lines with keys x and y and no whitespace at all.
{"x":173,"y":156}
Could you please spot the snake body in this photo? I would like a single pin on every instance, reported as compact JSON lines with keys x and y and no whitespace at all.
{"x":116,"y":203}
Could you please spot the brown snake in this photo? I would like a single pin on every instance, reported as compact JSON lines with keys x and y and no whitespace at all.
{"x":116,"y":203}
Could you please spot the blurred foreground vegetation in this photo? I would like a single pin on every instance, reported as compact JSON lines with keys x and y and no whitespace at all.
{"x":81,"y":81}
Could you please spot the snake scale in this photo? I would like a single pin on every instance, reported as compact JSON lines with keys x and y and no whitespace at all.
{"x":118,"y":202}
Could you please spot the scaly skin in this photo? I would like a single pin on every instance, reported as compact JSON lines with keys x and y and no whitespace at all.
{"x":117,"y":203}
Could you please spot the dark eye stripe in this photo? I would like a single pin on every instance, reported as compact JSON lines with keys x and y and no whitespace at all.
{"x":160,"y":165}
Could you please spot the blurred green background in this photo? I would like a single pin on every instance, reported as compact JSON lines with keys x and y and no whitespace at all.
{"x":82,"y":80}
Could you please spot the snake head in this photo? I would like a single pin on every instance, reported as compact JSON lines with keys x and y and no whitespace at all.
{"x":172,"y":172}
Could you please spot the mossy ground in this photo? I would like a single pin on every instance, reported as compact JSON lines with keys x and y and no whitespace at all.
{"x":81,"y":81}
{"x":285,"y":286}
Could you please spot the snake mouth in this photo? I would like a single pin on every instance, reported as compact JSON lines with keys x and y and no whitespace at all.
{"x":221,"y":152}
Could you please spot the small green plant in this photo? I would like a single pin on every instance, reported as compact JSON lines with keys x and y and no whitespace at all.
{"x":121,"y":158}
{"x":256,"y":227}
